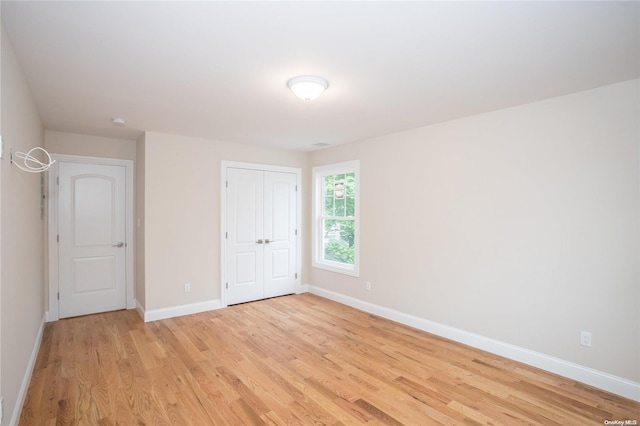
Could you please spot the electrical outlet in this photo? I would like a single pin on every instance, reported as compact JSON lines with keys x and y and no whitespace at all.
{"x":585,"y":338}
{"x":367,"y":286}
{"x":187,"y":288}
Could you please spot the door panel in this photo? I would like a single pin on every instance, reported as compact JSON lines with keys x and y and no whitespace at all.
{"x":93,"y":221}
{"x":91,"y":215}
{"x":280,"y":263}
{"x":244,"y":228}
{"x":94,"y":274}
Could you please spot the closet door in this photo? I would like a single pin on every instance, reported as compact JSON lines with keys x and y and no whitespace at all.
{"x":245,"y":235}
{"x":279,"y":231}
{"x":261,"y":234}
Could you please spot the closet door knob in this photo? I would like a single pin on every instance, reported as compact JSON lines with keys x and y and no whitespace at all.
{"x":267,"y":241}
{"x":259,"y":241}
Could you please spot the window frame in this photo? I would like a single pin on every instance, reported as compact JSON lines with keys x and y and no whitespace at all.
{"x":318,"y":175}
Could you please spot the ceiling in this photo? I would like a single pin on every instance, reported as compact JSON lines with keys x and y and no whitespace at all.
{"x":218,"y":70}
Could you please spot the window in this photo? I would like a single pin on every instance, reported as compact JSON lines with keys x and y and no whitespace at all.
{"x":335,"y":222}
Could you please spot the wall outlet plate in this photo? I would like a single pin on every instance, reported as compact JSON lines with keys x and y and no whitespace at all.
{"x":585,"y":338}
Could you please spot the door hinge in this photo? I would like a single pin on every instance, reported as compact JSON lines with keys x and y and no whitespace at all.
{"x":226,"y":184}
{"x":296,"y":275}
{"x":58,"y":238}
{"x":296,"y":232}
{"x":57,"y":181}
{"x":58,"y":295}
{"x":226,"y":235}
{"x":227,"y":286}
{"x":296,"y":187}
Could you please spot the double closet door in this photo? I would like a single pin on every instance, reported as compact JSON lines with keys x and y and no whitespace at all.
{"x":261,"y":234}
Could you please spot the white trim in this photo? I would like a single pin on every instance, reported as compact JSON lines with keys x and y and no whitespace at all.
{"x":223,"y":218}
{"x":140,"y":309}
{"x":22,"y":394}
{"x":178,"y":311}
{"x":316,"y":242}
{"x":52,"y":217}
{"x":599,"y":379}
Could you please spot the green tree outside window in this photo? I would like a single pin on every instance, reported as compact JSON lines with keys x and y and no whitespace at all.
{"x":339,"y":222}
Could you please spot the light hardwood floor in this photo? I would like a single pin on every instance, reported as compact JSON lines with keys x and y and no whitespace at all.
{"x":290,"y":360}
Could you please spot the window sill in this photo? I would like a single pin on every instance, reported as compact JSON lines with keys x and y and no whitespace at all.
{"x":345,"y":271}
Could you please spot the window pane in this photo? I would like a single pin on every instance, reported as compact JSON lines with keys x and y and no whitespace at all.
{"x":328,"y":206}
{"x":350,"y":206}
{"x":339,"y":207}
{"x":350,"y":184}
{"x":338,"y":241}
{"x":350,"y":180}
{"x":328,"y":195}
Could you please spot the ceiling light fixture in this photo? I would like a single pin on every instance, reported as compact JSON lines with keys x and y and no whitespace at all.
{"x":119,"y":122}
{"x":307,"y":87}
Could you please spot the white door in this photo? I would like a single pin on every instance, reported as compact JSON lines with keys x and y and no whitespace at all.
{"x":91,"y":226}
{"x":260,"y":235}
{"x":245,"y":248}
{"x":279,"y":232}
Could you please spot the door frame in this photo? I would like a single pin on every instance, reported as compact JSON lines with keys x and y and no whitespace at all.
{"x":223,"y":215}
{"x":52,"y":217}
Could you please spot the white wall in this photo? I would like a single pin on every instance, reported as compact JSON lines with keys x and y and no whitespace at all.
{"x":182,"y":214}
{"x":22,"y":247}
{"x":139,"y":221}
{"x":89,"y":146}
{"x":521,"y":225}
{"x":1,"y":167}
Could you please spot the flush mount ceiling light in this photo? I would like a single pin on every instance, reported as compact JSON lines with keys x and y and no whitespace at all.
{"x":120,"y":122}
{"x":307,"y":87}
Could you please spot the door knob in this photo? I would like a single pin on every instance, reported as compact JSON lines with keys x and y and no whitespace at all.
{"x":118,"y":245}
{"x":259,"y":241}
{"x":267,"y":241}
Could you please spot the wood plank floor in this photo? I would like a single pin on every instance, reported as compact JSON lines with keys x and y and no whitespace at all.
{"x":290,"y":360}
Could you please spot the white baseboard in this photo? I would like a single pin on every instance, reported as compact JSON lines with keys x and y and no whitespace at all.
{"x":599,"y":379}
{"x":177,"y":311}
{"x":22,"y":394}
{"x":140,"y":309}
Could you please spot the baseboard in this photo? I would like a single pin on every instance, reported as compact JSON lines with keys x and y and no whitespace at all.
{"x":177,"y":311}
{"x":599,"y":379}
{"x":140,"y":309}
{"x":22,"y":394}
